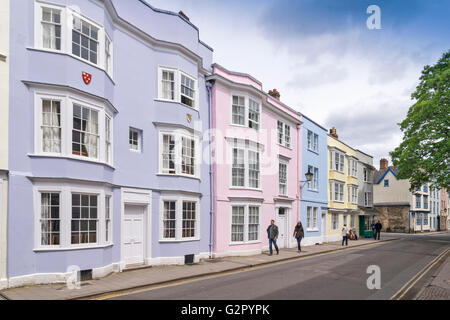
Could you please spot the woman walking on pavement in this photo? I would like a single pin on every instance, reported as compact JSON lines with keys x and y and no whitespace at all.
{"x":299,"y":234}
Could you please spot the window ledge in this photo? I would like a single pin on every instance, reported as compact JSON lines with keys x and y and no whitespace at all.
{"x":313,"y":190}
{"x":40,"y":155}
{"x":312,"y":230}
{"x":282,"y":145}
{"x":311,"y":150}
{"x":178,"y":176}
{"x":71,"y":248}
{"x":178,"y":240}
{"x":246,"y":188}
{"x":244,"y":242}
{"x":75,"y":57}
{"x":176,"y":102}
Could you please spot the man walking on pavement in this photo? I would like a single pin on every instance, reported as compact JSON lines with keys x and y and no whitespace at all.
{"x":344,"y":234}
{"x":272,"y":234}
{"x":378,"y":227}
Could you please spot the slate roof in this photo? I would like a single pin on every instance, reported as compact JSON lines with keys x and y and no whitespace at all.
{"x":380,"y":173}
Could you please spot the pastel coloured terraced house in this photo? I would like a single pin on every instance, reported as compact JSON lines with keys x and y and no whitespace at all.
{"x":4,"y":98}
{"x":342,"y":187}
{"x":107,"y":108}
{"x":257,"y":165}
{"x":314,"y":200}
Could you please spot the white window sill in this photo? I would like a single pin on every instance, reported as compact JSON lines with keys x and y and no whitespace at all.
{"x":178,"y":175}
{"x":282,"y":145}
{"x":246,"y":188}
{"x":312,"y":229}
{"x":71,"y":157}
{"x":176,"y":102}
{"x":71,"y":248}
{"x":178,"y":240}
{"x":135,"y":151}
{"x":243,"y":242}
{"x":75,"y":57}
{"x":313,"y":151}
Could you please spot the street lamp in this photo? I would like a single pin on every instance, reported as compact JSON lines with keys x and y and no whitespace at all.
{"x":309,"y":175}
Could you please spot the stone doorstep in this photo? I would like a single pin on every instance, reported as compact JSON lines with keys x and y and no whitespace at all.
{"x":241,"y":266}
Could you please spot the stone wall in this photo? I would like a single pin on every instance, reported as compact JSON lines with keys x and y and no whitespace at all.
{"x":393,"y":218}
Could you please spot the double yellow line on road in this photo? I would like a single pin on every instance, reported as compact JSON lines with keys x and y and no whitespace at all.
{"x":410,"y":284}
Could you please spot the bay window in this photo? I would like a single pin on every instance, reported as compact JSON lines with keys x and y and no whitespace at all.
{"x":73,"y":127}
{"x":60,"y":28}
{"x":253,"y":169}
{"x":72,"y":216}
{"x":177,"y":86}
{"x":179,"y":153}
{"x":337,"y":161}
{"x":245,"y":111}
{"x":337,"y":191}
{"x":352,"y":194}
{"x":352,"y":167}
{"x":245,"y":223}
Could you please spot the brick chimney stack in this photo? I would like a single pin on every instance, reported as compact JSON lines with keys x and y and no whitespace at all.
{"x":384,"y":163}
{"x":333,"y":132}
{"x":274,"y":93}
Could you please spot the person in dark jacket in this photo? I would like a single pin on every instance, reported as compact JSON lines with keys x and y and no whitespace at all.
{"x":299,"y":234}
{"x":272,"y":234}
{"x":378,"y":227}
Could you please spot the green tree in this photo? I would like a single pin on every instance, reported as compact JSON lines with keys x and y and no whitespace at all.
{"x":423,"y":156}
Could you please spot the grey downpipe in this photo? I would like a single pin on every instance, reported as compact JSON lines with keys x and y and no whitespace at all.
{"x":211,"y":205}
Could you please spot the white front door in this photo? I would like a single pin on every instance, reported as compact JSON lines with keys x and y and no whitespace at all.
{"x":281,"y":223}
{"x":133,"y":240}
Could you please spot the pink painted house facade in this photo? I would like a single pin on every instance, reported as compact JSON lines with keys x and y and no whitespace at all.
{"x":256,"y":165}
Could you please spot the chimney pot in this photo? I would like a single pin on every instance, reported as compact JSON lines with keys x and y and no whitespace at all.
{"x":333,"y":132}
{"x":181,"y":13}
{"x":274,"y":93}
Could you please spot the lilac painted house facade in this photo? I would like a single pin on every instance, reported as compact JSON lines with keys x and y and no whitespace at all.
{"x":107,"y":108}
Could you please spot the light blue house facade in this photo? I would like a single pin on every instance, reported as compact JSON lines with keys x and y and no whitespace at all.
{"x":314,"y":200}
{"x":108,"y":105}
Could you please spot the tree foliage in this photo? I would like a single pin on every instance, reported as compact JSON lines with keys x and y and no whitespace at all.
{"x":423,"y":155}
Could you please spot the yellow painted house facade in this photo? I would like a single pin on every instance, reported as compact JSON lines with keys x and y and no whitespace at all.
{"x":342,"y":188}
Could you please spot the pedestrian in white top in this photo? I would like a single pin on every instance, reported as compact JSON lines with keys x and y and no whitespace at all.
{"x":345,"y":235}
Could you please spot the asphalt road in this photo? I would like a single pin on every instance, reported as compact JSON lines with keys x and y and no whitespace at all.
{"x":340,"y":275}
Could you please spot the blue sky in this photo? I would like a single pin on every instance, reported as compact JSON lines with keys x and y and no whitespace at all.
{"x":324,"y":61}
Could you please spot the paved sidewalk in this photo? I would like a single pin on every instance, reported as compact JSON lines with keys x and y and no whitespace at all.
{"x":163,"y":274}
{"x":439,"y":288}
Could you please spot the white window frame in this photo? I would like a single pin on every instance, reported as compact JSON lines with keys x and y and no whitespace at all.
{"x":179,"y":199}
{"x":247,"y":147}
{"x":313,"y":141}
{"x":286,"y":140}
{"x":178,"y":134}
{"x":246,"y":107}
{"x":341,"y":185}
{"x":341,"y":161}
{"x":177,"y":87}
{"x":352,"y":167}
{"x":67,"y":100}
{"x":367,"y":199}
{"x":334,"y":221}
{"x":352,"y":196}
{"x":313,"y":185}
{"x":246,"y":206}
{"x":109,"y":66}
{"x":286,"y":184}
{"x":65,"y":189}
{"x":139,"y":140}
{"x":352,"y":221}
{"x":67,"y":15}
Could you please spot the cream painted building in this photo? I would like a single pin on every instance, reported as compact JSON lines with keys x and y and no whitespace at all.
{"x":4,"y":104}
{"x":400,"y":210}
{"x":342,"y":187}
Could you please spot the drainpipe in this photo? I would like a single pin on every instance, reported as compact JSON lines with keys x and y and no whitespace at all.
{"x":209,"y":85}
{"x":299,"y":171}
